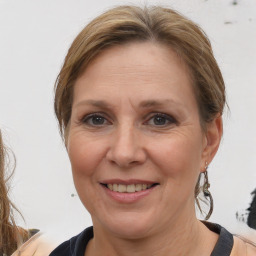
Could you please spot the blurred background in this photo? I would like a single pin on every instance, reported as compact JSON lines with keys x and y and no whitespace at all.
{"x":34,"y":38}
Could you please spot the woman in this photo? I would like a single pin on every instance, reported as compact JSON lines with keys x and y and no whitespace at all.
{"x":139,"y":102}
{"x":15,"y":240}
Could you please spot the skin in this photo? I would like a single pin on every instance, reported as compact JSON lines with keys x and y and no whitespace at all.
{"x":128,"y":87}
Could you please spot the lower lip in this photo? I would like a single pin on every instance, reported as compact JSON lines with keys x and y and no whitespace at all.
{"x":128,"y":197}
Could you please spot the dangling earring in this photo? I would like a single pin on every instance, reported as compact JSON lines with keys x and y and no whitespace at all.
{"x":206,"y":191}
{"x":206,"y":183}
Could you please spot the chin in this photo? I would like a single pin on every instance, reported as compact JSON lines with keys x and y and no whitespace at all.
{"x":129,"y":227}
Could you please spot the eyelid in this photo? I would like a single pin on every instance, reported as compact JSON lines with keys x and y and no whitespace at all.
{"x":94,"y":114}
{"x":168,"y":117}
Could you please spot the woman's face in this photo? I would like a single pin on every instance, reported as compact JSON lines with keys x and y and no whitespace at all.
{"x":135,"y":142}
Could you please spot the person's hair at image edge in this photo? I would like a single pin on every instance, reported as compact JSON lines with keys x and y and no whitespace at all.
{"x":125,"y":24}
{"x":11,"y":236}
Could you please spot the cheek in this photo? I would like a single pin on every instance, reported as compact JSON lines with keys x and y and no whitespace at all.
{"x":84,"y":155}
{"x":178,"y":162}
{"x":178,"y":158}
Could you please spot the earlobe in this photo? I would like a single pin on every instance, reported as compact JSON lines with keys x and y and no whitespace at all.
{"x":214,"y":131}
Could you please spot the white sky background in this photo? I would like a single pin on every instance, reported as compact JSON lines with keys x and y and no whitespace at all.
{"x":34,"y":38}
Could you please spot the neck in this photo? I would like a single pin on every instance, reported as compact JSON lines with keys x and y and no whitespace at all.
{"x":189,"y":237}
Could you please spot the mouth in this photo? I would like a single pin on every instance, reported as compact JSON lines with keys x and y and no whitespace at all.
{"x":128,"y":188}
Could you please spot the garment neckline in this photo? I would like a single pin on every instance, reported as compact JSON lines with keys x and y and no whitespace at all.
{"x":225,"y":241}
{"x":223,"y":246}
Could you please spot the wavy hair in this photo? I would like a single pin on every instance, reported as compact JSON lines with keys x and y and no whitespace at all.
{"x":11,"y":236}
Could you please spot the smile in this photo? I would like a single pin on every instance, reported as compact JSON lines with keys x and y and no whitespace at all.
{"x":121,"y":188}
{"x":128,"y":191}
{"x":130,"y":188}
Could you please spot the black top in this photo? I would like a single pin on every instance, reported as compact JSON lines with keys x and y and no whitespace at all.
{"x":76,"y":246}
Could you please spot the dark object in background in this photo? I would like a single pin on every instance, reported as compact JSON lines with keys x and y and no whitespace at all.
{"x":251,"y":221}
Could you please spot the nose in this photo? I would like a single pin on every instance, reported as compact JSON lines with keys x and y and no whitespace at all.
{"x":126,"y":148}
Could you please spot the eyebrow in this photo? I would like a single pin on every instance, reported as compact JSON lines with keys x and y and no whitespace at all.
{"x":155,"y":103}
{"x":144,"y":104}
{"x":96,"y":103}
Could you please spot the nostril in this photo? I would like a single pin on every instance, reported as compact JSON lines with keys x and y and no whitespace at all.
{"x":134,"y":162}
{"x":124,"y":162}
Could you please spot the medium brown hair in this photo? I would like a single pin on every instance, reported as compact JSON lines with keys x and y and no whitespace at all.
{"x":126,"y":24}
{"x":11,"y":236}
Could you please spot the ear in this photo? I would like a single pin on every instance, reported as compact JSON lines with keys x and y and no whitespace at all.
{"x":65,"y":136}
{"x":213,"y":134}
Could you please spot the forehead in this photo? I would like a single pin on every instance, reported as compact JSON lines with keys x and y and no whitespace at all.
{"x":143,"y":67}
{"x":146,"y":54}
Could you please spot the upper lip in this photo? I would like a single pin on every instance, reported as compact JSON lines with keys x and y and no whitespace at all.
{"x":127,"y":182}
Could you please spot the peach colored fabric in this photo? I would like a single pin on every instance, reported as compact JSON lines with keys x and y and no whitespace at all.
{"x":37,"y":245}
{"x":242,"y":248}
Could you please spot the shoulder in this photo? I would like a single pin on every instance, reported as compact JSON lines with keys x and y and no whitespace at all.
{"x":234,"y":245}
{"x":243,"y":248}
{"x":38,"y":245}
{"x":250,"y":249}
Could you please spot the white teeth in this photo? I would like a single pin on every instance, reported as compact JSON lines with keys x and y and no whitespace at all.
{"x":138,"y":187}
{"x":115,"y":187}
{"x":131,"y":188}
{"x":122,"y":188}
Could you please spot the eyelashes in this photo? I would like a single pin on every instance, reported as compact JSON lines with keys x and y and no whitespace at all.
{"x":160,"y":120}
{"x":95,"y":119}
